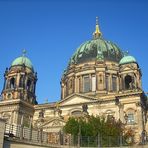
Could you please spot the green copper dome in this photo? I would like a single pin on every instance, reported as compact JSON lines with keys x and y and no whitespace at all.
{"x":97,"y":48}
{"x":22,"y":61}
{"x":127,"y":59}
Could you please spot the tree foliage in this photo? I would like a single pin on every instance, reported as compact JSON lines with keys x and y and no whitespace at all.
{"x":93,"y":126}
{"x":72,"y":126}
{"x":109,"y":130}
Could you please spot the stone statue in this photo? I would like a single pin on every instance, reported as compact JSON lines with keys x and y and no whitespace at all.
{"x":84,"y":108}
{"x":41,"y":114}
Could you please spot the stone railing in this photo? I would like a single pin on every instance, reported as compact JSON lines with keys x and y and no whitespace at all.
{"x":25,"y":133}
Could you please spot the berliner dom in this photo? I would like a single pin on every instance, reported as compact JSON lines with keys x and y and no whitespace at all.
{"x":100,"y":79}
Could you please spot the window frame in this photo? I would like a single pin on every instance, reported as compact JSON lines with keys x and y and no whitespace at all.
{"x":85,"y":89}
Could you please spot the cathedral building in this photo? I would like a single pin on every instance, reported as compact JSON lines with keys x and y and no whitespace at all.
{"x":100,"y":79}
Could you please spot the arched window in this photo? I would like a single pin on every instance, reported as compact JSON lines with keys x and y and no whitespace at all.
{"x":114,"y":83}
{"x":21,"y":82}
{"x":12,"y":83}
{"x":76,"y":113}
{"x":128,"y":82}
{"x":28,"y":84}
{"x":86,"y":83}
{"x":70,"y":84}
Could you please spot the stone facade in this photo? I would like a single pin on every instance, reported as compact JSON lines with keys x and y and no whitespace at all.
{"x":18,"y":95}
{"x":2,"y":129}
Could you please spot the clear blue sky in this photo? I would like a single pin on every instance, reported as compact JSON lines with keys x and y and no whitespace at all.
{"x":51,"y":30}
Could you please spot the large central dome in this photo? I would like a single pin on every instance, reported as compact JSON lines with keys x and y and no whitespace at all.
{"x":97,"y":69}
{"x":97,"y":48}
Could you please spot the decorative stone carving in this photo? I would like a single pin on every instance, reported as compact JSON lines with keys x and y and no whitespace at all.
{"x":85,"y":108}
{"x":56,"y":123}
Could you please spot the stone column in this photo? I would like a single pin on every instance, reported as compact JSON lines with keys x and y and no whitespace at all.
{"x":110,"y":82}
{"x":22,"y":119}
{"x":104,"y":81}
{"x":90,"y":80}
{"x":17,"y":80}
{"x":123,"y":82}
{"x":81,"y":84}
{"x":121,"y":116}
{"x":2,"y":130}
{"x":8,"y":83}
{"x":11,"y":118}
{"x":16,"y":117}
{"x":139,"y":122}
{"x":26,"y":79}
{"x":30,"y":127}
{"x":138,"y":79}
{"x":97,"y":81}
{"x":117,"y":83}
{"x":75,"y":84}
{"x":62,"y":91}
{"x":78,"y":84}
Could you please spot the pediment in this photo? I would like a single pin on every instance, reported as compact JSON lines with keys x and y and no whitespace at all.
{"x":54,"y":122}
{"x":76,"y":99}
{"x":126,"y":68}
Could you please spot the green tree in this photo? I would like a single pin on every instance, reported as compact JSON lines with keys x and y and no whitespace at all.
{"x":108,"y":128}
{"x":72,"y":126}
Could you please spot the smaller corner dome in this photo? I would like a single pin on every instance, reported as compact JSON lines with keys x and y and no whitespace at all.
{"x":127,"y":59}
{"x":22,"y":61}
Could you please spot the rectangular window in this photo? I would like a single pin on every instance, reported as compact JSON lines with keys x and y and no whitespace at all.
{"x":114,"y":83}
{"x":130,"y":119}
{"x":86,"y":84}
{"x":107,"y":81}
{"x":93,"y":83}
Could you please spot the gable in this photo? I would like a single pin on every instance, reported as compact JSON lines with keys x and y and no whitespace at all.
{"x":55,"y":122}
{"x":53,"y":125}
{"x":76,"y":99}
{"x":128,"y":67}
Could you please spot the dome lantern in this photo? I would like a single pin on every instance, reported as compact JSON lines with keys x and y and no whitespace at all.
{"x":96,"y":49}
{"x":97,"y":32}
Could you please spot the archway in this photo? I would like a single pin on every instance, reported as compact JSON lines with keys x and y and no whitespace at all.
{"x":12,"y":83}
{"x":128,"y":82}
{"x":29,"y":85}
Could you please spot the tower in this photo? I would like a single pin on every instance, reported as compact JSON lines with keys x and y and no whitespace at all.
{"x":18,"y":94}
